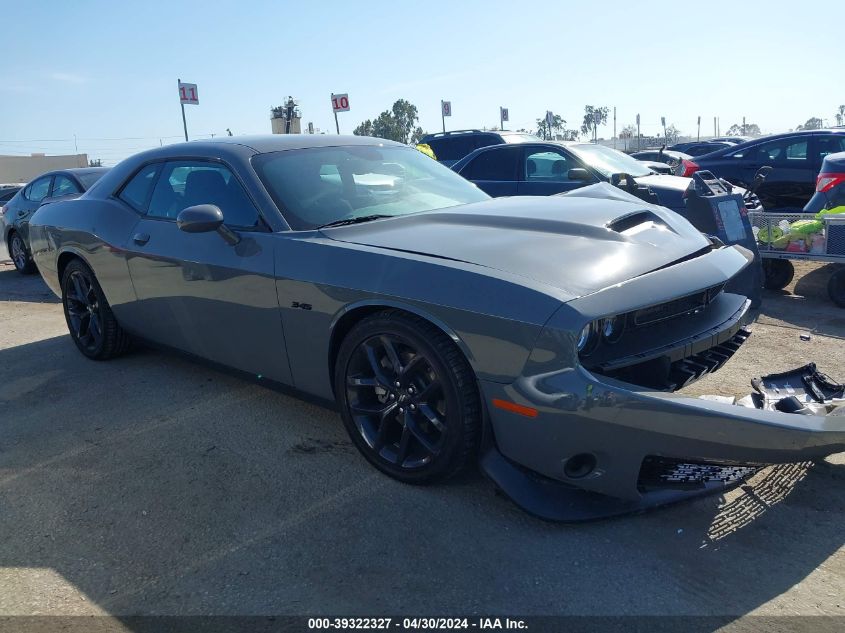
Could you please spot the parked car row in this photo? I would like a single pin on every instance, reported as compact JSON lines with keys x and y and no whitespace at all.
{"x":795,"y":158}
{"x":17,"y":209}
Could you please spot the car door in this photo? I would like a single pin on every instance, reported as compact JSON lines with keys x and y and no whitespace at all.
{"x":791,"y":182}
{"x":28,"y":203}
{"x":196,"y":291}
{"x":494,"y":171}
{"x":544,"y":171}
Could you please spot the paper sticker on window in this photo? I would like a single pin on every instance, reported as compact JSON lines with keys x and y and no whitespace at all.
{"x":732,"y":220}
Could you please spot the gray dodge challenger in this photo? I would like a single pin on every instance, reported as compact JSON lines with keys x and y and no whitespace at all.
{"x":542,"y":337}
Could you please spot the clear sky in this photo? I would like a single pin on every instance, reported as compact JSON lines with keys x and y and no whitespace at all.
{"x":107,"y":70}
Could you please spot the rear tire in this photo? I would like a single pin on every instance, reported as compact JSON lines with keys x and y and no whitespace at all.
{"x":408,"y":397}
{"x":778,"y":273}
{"x":90,"y":321}
{"x":21,"y":257}
{"x":836,"y":287}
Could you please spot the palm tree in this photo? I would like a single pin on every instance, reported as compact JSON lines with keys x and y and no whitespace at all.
{"x":840,"y":115}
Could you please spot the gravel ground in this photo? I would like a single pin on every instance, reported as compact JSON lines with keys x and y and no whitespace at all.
{"x":154,"y":485}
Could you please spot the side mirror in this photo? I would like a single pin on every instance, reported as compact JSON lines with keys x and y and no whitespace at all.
{"x":578,"y":173}
{"x":204,"y":218}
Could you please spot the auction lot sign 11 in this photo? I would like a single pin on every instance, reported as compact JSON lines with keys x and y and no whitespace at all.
{"x":187,"y":94}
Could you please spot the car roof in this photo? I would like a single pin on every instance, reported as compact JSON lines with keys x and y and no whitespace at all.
{"x":772,"y":137}
{"x":76,"y":171}
{"x":278,"y":142}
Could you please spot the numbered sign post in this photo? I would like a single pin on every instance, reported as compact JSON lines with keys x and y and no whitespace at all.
{"x":638,"y":133}
{"x":340,"y":103}
{"x":503,"y":116}
{"x":445,"y":110}
{"x":187,"y":94}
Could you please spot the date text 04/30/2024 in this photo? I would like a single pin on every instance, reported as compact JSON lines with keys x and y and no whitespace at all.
{"x":409,"y":624}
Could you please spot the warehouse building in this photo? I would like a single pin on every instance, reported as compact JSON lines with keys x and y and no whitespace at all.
{"x":25,"y":168}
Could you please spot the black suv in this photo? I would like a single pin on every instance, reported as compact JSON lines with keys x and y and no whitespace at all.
{"x":450,"y":147}
{"x":795,"y":158}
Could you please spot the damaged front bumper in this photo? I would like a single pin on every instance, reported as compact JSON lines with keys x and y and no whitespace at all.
{"x":596,"y":447}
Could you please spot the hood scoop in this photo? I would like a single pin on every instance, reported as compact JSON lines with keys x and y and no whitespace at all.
{"x":633,"y":223}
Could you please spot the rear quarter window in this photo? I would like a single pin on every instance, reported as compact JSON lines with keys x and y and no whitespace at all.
{"x":137,"y":191}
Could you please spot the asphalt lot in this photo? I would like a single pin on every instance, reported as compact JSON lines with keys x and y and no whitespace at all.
{"x":155,"y":485}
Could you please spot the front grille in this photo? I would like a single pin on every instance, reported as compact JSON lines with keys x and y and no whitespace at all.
{"x":678,"y":307}
{"x":666,"y":375}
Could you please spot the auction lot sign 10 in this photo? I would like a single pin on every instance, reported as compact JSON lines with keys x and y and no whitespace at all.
{"x":340,"y":103}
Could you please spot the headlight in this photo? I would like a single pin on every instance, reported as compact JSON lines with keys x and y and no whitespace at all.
{"x":587,"y":339}
{"x":612,"y":328}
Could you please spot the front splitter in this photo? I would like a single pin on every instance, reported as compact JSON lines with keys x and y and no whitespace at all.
{"x":552,"y":500}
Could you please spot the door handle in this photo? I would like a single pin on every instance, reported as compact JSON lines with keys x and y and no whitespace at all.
{"x":141,"y":238}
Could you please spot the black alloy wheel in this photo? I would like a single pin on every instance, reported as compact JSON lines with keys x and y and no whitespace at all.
{"x":408,"y":398}
{"x":20,"y":255}
{"x":90,"y":321}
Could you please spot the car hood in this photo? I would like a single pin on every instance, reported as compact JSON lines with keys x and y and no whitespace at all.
{"x":665,"y":182}
{"x":578,"y":244}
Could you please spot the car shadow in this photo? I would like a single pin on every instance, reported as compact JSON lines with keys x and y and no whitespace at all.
{"x":807,"y":306}
{"x":154,"y":485}
{"x":25,"y":288}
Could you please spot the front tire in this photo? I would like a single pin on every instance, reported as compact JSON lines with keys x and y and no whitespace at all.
{"x":90,"y":321}
{"x":20,"y":255}
{"x":408,"y":397}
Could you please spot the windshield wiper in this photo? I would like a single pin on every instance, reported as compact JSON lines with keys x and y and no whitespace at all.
{"x":358,"y":220}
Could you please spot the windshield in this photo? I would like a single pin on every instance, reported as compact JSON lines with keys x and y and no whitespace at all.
{"x":520,"y":138}
{"x":317,"y":186}
{"x":609,"y":161}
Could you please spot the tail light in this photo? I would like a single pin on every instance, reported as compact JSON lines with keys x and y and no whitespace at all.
{"x":826,"y":182}
{"x":687,"y":168}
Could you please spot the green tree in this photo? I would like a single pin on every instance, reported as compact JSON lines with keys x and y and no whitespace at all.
{"x":672,"y":134}
{"x":546,"y":131}
{"x":840,"y":115}
{"x":628,"y":132}
{"x":95,"y":163}
{"x":364,"y":129}
{"x":417,"y":135}
{"x":593,"y":117}
{"x":813,"y":123}
{"x":747,"y":129}
{"x":396,"y":124}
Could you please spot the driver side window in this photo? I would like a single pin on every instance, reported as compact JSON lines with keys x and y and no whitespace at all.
{"x":183,"y":184}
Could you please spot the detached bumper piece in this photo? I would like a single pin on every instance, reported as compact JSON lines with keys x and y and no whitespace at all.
{"x":662,"y":482}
